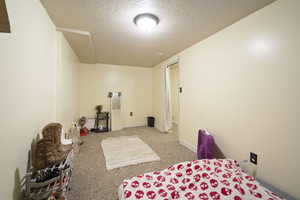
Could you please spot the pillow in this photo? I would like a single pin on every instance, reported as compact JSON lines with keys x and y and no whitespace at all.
{"x":206,"y":145}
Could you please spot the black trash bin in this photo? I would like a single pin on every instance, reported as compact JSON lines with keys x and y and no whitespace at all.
{"x":151,"y":121}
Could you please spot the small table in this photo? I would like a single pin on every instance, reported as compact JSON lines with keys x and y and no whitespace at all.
{"x":102,"y":118}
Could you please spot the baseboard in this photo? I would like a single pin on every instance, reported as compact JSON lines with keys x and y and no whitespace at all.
{"x":135,"y":126}
{"x":159,"y":128}
{"x":188,"y":145}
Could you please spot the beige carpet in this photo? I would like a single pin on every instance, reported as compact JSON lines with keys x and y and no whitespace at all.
{"x":126,"y":150}
{"x":92,"y":181}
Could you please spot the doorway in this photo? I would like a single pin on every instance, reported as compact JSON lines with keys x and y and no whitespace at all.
{"x":174,"y":88}
{"x":171,"y":98}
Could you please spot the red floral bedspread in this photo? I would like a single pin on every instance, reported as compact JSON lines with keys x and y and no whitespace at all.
{"x":199,"y":179}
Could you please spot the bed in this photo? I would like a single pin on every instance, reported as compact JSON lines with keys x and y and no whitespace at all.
{"x":208,"y":179}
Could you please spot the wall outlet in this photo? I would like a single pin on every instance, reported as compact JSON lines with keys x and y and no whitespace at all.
{"x":253,"y":158}
{"x":131,"y":114}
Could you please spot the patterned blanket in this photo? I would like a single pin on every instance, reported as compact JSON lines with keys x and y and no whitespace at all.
{"x":215,"y":179}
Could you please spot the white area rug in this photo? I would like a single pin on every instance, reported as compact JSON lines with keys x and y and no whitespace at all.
{"x":126,"y":150}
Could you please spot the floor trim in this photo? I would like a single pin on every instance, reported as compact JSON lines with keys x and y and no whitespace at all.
{"x":187,"y":145}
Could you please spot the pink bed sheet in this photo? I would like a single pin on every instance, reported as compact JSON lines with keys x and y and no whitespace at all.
{"x":215,"y":179}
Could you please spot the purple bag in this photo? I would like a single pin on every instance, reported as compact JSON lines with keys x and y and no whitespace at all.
{"x":206,"y":145}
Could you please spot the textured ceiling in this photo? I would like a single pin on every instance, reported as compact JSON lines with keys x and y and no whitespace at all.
{"x":116,"y":40}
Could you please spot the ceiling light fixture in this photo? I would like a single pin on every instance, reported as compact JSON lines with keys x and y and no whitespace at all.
{"x":146,"y":21}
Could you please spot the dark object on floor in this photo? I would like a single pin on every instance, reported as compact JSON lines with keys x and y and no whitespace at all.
{"x":151,"y":121}
{"x":84,"y":131}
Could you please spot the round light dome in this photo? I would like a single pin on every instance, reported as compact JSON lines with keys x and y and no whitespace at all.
{"x":146,"y":21}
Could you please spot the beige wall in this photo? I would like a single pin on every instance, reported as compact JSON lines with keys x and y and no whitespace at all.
{"x":135,"y":83}
{"x":28,"y":79}
{"x":157,"y":89}
{"x":67,"y":84}
{"x":243,"y":85}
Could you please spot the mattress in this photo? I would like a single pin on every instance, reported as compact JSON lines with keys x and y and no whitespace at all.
{"x":214,"y":179}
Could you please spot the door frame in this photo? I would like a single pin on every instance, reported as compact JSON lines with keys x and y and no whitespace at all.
{"x":169,"y":64}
